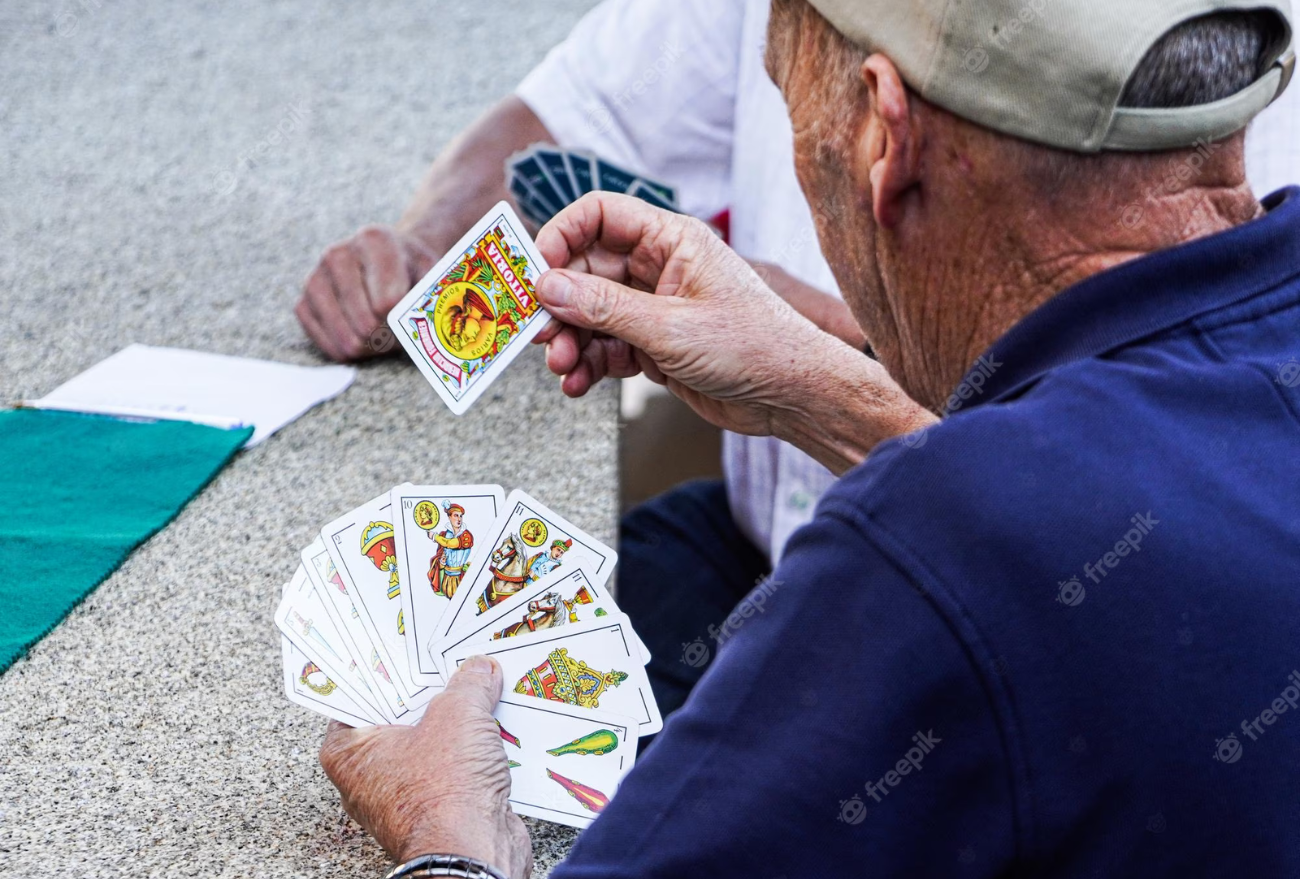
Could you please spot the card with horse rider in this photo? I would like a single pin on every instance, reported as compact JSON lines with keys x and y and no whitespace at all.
{"x":556,"y":600}
{"x":527,"y":543}
{"x":439,"y":532}
{"x":362,"y":547}
{"x":476,"y":311}
{"x":590,"y":665}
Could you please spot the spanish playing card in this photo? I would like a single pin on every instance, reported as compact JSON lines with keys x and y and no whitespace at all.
{"x":437,"y":529}
{"x":527,"y":543}
{"x":475,"y":311}
{"x":590,"y":665}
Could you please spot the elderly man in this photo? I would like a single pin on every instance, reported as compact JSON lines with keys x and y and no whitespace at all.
{"x":1052,"y":633}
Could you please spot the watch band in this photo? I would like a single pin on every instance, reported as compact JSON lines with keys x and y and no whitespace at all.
{"x":429,"y":866}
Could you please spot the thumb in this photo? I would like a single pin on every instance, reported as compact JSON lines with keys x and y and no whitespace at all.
{"x":591,"y":302}
{"x":477,"y":683}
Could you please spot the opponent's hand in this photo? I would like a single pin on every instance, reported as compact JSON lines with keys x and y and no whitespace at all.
{"x":347,"y":297}
{"x":441,"y":786}
{"x":645,"y":290}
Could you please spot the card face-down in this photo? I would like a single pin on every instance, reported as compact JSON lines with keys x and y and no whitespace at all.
{"x":476,"y":311}
{"x":527,"y":543}
{"x":439,"y":531}
{"x":543,"y":607}
{"x":590,"y":665}
{"x":565,"y":762}
{"x":557,"y":171}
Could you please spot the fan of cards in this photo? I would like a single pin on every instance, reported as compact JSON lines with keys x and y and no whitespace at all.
{"x":395,"y":595}
{"x":544,"y":180}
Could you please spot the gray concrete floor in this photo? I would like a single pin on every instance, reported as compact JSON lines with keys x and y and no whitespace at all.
{"x":148,"y":735}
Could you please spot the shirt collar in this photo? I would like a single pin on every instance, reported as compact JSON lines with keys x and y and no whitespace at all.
{"x":1143,"y":297}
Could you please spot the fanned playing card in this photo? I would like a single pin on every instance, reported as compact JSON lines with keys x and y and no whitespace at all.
{"x":476,"y":311}
{"x":527,"y":543}
{"x":565,"y":762}
{"x":303,"y":619}
{"x":342,"y":607}
{"x":588,"y":665}
{"x":307,"y":685}
{"x":363,"y":549}
{"x":439,"y":531}
{"x":553,"y":602}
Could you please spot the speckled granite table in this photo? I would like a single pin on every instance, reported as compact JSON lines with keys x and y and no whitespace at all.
{"x":145,"y":197}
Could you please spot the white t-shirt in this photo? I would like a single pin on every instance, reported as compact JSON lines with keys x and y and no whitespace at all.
{"x":677,"y":90}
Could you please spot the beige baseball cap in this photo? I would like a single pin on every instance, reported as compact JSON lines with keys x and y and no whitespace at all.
{"x":1053,"y":71}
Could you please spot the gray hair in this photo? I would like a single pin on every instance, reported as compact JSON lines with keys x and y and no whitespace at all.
{"x":1205,"y":59}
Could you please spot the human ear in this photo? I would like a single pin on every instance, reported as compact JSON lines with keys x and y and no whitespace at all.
{"x":890,"y":142}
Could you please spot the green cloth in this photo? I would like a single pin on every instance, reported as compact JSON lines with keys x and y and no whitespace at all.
{"x":77,"y":494}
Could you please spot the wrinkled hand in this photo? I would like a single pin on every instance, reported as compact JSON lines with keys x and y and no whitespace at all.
{"x":441,"y":786}
{"x":649,"y":291}
{"x":347,"y":297}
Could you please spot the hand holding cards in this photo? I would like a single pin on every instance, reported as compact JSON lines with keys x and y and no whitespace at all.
{"x":395,"y":595}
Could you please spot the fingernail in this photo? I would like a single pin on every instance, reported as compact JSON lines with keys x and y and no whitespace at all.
{"x":479,"y":665}
{"x":555,"y":288}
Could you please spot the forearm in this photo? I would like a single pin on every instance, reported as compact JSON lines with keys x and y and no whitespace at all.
{"x":469,"y":176}
{"x":843,"y":405}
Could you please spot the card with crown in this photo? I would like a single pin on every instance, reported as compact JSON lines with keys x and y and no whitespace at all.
{"x":363,"y":550}
{"x":437,"y":530}
{"x":308,"y":685}
{"x":476,"y":311}
{"x":554,"y":601}
{"x":589,"y":665}
{"x":527,"y":543}
{"x":302,"y":618}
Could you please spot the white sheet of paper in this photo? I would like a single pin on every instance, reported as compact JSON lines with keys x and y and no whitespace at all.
{"x":143,"y":381}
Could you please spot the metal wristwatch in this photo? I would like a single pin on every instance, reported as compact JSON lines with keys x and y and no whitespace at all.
{"x":429,"y":866}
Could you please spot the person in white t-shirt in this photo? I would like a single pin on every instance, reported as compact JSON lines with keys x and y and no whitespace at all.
{"x":675,"y":90}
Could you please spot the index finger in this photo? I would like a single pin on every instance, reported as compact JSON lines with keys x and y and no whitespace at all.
{"x":615,"y":224}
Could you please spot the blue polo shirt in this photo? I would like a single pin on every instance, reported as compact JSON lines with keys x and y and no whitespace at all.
{"x":1056,"y":635}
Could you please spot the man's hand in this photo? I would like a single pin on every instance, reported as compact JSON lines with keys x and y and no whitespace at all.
{"x":347,"y":297}
{"x":644,"y":290}
{"x":441,"y":786}
{"x":828,"y":312}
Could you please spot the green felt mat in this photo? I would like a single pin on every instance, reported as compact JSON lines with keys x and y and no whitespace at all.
{"x":77,"y":494}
